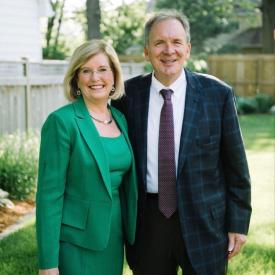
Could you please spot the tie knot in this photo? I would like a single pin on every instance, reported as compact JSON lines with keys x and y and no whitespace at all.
{"x":166,"y":93}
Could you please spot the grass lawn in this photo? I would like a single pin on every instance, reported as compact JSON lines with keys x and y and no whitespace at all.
{"x":18,"y":251}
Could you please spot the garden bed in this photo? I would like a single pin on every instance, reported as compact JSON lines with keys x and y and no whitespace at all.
{"x":9,"y":216}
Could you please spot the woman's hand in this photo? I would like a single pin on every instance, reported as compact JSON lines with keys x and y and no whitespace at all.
{"x":51,"y":271}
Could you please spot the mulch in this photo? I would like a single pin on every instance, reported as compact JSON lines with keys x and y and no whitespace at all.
{"x":9,"y":216}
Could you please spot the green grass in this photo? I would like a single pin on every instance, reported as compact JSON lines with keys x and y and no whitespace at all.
{"x":258,"y":132}
{"x":18,"y":251}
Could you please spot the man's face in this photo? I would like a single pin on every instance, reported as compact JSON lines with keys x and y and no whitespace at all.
{"x":167,"y":50}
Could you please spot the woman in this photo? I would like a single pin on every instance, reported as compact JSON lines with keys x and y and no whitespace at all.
{"x":87,"y":195}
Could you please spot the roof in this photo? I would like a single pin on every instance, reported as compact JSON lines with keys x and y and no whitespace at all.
{"x":251,"y":37}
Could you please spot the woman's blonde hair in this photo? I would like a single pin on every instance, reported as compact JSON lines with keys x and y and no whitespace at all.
{"x":80,"y":56}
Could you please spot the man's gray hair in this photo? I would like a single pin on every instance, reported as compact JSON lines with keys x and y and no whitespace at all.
{"x":166,"y":15}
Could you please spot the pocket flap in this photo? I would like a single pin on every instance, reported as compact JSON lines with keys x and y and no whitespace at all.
{"x":75,"y":212}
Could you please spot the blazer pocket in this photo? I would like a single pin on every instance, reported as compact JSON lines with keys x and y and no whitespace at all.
{"x":75,"y":212}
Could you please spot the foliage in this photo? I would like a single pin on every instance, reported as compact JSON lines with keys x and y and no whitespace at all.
{"x":123,"y":27}
{"x":54,"y":48}
{"x":18,"y":164}
{"x":246,"y":105}
{"x":57,"y":53}
{"x":264,"y":102}
{"x":260,"y":103}
{"x":197,"y":64}
{"x":208,"y":18}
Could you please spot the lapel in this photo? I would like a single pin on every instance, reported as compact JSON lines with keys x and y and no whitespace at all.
{"x":191,"y":114}
{"x":92,"y":138}
{"x":140,"y":109}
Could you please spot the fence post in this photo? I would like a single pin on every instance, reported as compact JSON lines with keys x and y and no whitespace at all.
{"x":26,"y":73}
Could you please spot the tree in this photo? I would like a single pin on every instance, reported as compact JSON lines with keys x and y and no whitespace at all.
{"x":207,"y":18}
{"x":123,"y":27}
{"x":54,"y":48}
{"x":93,"y":18}
{"x":268,"y":17}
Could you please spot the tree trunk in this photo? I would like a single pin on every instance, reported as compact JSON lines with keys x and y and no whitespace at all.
{"x":51,"y":24}
{"x":268,"y":15}
{"x":59,"y":24}
{"x":93,"y":18}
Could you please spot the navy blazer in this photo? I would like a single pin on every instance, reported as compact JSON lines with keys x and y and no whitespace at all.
{"x":213,"y":182}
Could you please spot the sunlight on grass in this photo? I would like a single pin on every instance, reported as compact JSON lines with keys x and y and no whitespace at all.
{"x":258,"y":132}
{"x":261,"y":167}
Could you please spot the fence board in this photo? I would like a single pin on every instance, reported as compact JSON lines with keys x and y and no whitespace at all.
{"x":248,"y":74}
{"x":44,"y":81}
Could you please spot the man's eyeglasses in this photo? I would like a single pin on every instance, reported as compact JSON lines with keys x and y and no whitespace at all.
{"x":101,"y":71}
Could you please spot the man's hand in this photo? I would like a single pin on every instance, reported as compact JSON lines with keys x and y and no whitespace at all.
{"x":51,"y":271}
{"x":236,"y":242}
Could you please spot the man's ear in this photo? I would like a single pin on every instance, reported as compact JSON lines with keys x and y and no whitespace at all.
{"x":146,"y":54}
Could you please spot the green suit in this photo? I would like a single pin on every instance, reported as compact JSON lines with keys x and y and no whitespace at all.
{"x":74,"y":197}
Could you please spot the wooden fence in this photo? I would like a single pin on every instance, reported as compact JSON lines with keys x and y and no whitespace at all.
{"x":248,"y":74}
{"x":30,"y":91}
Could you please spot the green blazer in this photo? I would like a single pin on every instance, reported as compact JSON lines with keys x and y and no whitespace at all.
{"x":74,"y":198}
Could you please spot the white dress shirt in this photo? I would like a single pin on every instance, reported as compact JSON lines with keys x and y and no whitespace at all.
{"x":155,"y":105}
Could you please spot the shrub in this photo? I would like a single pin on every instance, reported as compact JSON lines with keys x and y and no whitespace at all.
{"x":197,"y":65}
{"x":18,"y":164}
{"x":260,"y":103}
{"x":247,"y":105}
{"x":264,"y":102}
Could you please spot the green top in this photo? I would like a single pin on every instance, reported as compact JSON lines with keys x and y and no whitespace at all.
{"x":119,"y":158}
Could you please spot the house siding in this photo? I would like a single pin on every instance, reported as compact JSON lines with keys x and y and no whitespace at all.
{"x":20,"y":34}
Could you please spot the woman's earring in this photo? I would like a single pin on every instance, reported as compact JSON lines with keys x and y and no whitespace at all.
{"x":78,"y":92}
{"x":112,"y":91}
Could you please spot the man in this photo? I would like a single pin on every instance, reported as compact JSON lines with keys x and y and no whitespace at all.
{"x":194,"y":185}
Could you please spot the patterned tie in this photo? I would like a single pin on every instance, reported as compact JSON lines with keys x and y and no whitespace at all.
{"x":166,"y":158}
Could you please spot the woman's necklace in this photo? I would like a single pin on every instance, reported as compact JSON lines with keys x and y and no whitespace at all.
{"x":102,"y":121}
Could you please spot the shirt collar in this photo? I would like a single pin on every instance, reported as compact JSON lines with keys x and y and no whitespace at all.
{"x":175,"y":86}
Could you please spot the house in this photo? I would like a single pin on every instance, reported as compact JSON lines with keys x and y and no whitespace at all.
{"x":249,"y":41}
{"x":20,"y":34}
